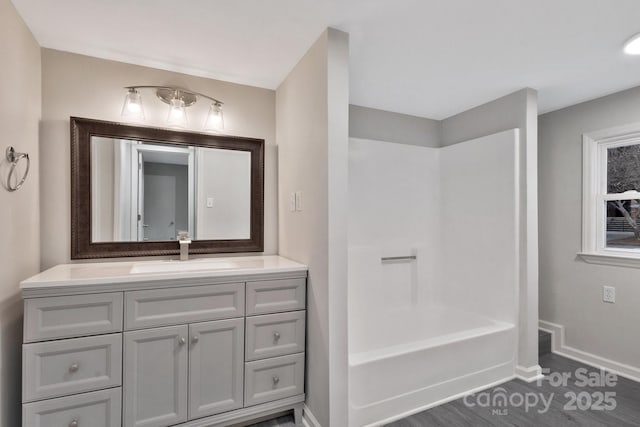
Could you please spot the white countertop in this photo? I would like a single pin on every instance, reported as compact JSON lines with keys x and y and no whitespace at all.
{"x":80,"y":275}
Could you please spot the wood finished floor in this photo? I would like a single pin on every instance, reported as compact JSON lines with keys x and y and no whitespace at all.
{"x":285,"y":421}
{"x":457,"y":414}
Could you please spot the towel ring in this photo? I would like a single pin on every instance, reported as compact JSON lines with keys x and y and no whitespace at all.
{"x":14,"y":158}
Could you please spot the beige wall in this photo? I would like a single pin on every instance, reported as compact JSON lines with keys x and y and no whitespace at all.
{"x":312,"y":132}
{"x":103,"y":167}
{"x":76,"y":85}
{"x":516,"y":110}
{"x":20,"y":242}
{"x":570,"y":289}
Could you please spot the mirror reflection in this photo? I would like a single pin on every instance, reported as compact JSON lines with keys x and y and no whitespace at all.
{"x":143,"y":191}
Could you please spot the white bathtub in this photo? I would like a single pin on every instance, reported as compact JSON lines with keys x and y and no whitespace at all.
{"x":405,"y":362}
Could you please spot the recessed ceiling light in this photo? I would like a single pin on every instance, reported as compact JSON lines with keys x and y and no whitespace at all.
{"x":632,"y":46}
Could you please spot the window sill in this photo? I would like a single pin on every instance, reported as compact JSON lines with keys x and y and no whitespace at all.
{"x":610,"y":259}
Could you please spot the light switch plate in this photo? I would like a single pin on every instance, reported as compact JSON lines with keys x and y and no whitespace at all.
{"x":209,"y":202}
{"x":299,"y":201}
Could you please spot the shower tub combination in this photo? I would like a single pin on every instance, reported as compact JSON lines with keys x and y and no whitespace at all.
{"x":440,"y":321}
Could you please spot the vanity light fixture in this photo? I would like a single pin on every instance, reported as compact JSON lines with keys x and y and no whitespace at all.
{"x":179,"y":100}
{"x":215,"y":120}
{"x":132,"y":107}
{"x":177,"y":113}
{"x":632,"y":46}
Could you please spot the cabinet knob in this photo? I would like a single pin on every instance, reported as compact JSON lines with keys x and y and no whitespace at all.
{"x":276,"y":380}
{"x":74,"y":368}
{"x":182,"y":341}
{"x":195,"y":339}
{"x":276,"y":336}
{"x":74,"y":423}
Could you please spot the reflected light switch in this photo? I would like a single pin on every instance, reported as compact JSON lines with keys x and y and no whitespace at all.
{"x":209,"y":202}
{"x":292,"y":202}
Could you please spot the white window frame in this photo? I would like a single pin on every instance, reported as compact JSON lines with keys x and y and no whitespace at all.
{"x":594,"y":188}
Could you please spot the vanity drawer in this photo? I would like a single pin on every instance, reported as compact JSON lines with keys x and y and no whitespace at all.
{"x":274,"y":335}
{"x":96,"y":409}
{"x":174,"y":306}
{"x":273,"y":379}
{"x":72,"y":316}
{"x":58,"y":368}
{"x":275,"y":296}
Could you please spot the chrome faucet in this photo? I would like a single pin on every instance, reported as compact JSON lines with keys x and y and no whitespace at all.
{"x":183,"y":239}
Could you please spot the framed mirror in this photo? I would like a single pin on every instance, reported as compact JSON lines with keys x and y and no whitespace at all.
{"x":133,"y":189}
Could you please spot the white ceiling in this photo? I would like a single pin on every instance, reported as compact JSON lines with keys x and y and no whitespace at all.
{"x":430,"y":58}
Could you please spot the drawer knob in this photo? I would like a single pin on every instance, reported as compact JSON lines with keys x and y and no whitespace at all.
{"x":74,"y":368}
{"x":182,"y":341}
{"x":276,"y":336}
{"x":195,"y":339}
{"x":74,"y":423}
{"x":276,"y":380}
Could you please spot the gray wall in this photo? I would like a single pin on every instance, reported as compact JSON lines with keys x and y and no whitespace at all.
{"x":20,"y":77}
{"x":77,"y":85}
{"x":517,"y":110}
{"x":571,"y":290}
{"x":369,"y":123}
{"x":312,"y":133}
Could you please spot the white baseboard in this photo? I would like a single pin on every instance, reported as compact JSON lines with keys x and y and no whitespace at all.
{"x":558,"y":346}
{"x":308,"y":419}
{"x":529,"y":374}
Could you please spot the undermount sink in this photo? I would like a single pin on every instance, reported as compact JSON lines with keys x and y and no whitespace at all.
{"x":178,"y":266}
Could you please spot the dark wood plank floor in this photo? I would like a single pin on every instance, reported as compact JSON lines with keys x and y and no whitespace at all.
{"x":285,"y":421}
{"x":457,"y":414}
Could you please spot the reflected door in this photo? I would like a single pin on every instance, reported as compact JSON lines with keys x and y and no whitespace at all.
{"x":159,"y":207}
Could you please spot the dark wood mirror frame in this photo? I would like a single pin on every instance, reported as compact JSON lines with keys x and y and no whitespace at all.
{"x":81,"y":245}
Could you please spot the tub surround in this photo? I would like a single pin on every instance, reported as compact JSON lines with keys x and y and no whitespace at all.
{"x":455,"y":282}
{"x":204,"y":342}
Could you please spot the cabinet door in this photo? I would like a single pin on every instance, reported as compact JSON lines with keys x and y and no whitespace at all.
{"x":216,"y":360}
{"x":155,"y":377}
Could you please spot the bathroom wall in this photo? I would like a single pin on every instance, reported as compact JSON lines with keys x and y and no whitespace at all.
{"x":372,"y":124}
{"x":77,"y":85}
{"x":20,"y":110}
{"x":312,"y":134}
{"x":517,"y":110}
{"x":570,"y":289}
{"x":102,"y":205}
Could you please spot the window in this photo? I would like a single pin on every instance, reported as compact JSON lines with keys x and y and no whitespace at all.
{"x":611,"y":197}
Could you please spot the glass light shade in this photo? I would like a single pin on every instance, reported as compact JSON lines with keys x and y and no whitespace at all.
{"x":632,"y":46}
{"x":177,"y":113}
{"x":215,"y":119}
{"x":132,"y":107}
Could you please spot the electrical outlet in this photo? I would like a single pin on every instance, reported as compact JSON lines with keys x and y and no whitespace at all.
{"x":609,"y":294}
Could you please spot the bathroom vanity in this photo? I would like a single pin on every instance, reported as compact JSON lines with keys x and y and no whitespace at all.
{"x":207,"y":342}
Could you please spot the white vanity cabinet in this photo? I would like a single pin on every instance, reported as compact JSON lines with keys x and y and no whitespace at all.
{"x":155,"y":377}
{"x":197,"y":348}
